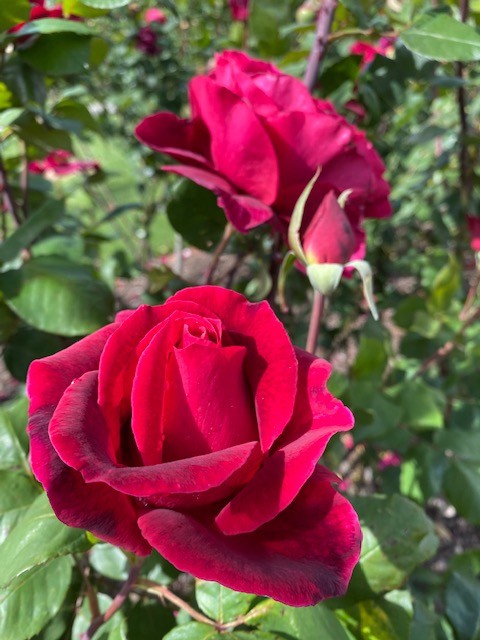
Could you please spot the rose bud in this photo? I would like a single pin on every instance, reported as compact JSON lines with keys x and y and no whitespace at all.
{"x":194,"y":428}
{"x":155,"y":15}
{"x":239,"y":9}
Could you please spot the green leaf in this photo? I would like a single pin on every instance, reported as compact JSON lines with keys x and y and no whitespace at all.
{"x":36,"y":223}
{"x":445,"y":285}
{"x":387,"y":618}
{"x":192,"y":631}
{"x":105,"y":4}
{"x":266,"y":18}
{"x":36,"y":539}
{"x":9,"y":116}
{"x":443,"y":38}
{"x":109,"y":561}
{"x":58,"y":296}
{"x":27,"y":345}
{"x":463,"y":445}
{"x":423,"y":406}
{"x":398,"y":536}
{"x":220,"y":603}
{"x":53,"y":25}
{"x":308,"y":623}
{"x":463,"y":606}
{"x":44,"y":56}
{"x":149,"y":621}
{"x":193,"y":212}
{"x":461,"y":484}
{"x":17,"y":492}
{"x":12,"y":439}
{"x":8,"y":322}
{"x":33,"y":598}
{"x":11,"y":13}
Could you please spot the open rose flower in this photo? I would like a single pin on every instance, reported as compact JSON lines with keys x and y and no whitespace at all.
{"x":256,"y":138}
{"x":61,"y":163}
{"x":195,"y":427}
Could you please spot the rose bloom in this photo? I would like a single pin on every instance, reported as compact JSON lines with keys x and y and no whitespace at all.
{"x":61,"y":163}
{"x":474,"y":229}
{"x":256,"y":138}
{"x":155,"y":15}
{"x":146,"y":41}
{"x":239,"y":9}
{"x":39,"y":11}
{"x":368,"y":51}
{"x":194,"y":427}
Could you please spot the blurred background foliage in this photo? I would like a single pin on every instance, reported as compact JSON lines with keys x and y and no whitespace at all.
{"x":81,"y":245}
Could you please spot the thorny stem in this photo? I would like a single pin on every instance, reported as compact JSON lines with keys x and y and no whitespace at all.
{"x":318,"y":306}
{"x":117,"y":602}
{"x":324,"y":22}
{"x":8,"y":199}
{"x":465,"y":172}
{"x":222,"y":245}
{"x":164,"y":593}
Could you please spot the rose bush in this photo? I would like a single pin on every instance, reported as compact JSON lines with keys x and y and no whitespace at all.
{"x":256,"y":138}
{"x":195,"y":428}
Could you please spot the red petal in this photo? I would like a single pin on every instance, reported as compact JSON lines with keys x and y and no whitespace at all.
{"x":240,"y":147}
{"x":244,"y":212}
{"x":303,"y":556}
{"x":183,"y":140}
{"x":270,"y":363}
{"x":108,"y":514}
{"x":208,"y":405}
{"x":317,"y":416}
{"x":80,"y":436}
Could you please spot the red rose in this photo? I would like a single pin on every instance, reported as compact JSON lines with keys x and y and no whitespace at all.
{"x":195,"y":427}
{"x":39,"y":11}
{"x":256,"y":138}
{"x":239,"y":9}
{"x":474,"y":228}
{"x":146,"y":41}
{"x":61,"y":163}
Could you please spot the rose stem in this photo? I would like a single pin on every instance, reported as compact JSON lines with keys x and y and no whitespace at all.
{"x":8,"y":198}
{"x":324,"y":23}
{"x":227,"y":234}
{"x":162,"y":592}
{"x":117,"y":602}
{"x":318,"y":306}
{"x":465,"y":173}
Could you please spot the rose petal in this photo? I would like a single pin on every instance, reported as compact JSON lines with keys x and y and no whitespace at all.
{"x":244,"y":212}
{"x":317,"y":416}
{"x":209,"y":397}
{"x":181,"y":139}
{"x":303,"y":556}
{"x":96,"y":507}
{"x":208,"y":179}
{"x":80,"y":436}
{"x":241,"y":149}
{"x":270,"y":363}
{"x":49,"y":377}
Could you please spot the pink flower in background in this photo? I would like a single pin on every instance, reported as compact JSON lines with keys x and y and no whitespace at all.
{"x":369,"y":51}
{"x":61,"y":163}
{"x":474,"y":228}
{"x":389,"y":459}
{"x":155,"y":15}
{"x":239,"y":9}
{"x":256,"y":138}
{"x":195,"y":427}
